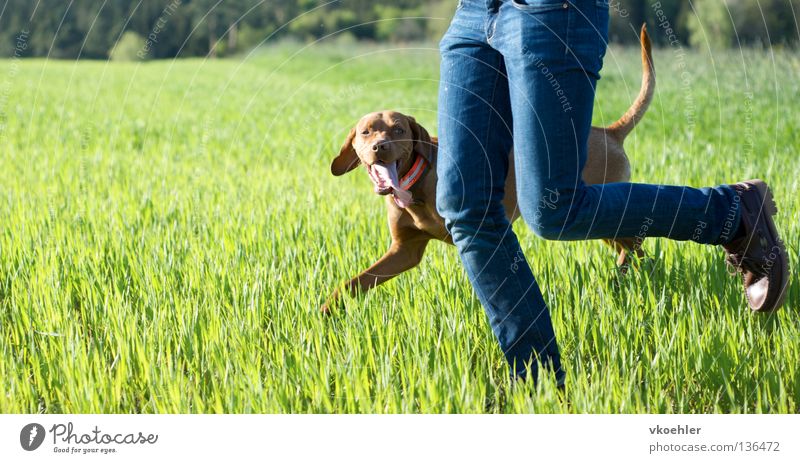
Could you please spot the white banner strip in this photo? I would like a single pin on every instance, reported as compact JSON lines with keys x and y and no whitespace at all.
{"x":400,"y":438}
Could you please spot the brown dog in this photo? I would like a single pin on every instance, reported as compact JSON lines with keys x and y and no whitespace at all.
{"x":400,"y":158}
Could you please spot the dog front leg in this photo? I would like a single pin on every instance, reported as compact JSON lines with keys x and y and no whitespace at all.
{"x":401,"y":256}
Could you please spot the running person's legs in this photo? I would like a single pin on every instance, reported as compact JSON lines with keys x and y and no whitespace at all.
{"x":552,"y":53}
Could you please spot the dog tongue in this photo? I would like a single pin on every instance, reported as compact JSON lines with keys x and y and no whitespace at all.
{"x":386,"y":176}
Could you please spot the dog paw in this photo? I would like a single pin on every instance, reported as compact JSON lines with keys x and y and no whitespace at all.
{"x":325,"y":309}
{"x":330,"y":305}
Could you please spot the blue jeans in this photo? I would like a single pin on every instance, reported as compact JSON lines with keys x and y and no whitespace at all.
{"x":524,"y":72}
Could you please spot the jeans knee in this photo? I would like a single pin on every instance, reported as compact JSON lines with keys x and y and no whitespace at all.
{"x":466,"y":218}
{"x":547,"y":217}
{"x":461,"y":219}
{"x":448,"y":204}
{"x":546,"y":227}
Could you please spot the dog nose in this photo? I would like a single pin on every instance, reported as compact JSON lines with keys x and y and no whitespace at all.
{"x":380,"y":146}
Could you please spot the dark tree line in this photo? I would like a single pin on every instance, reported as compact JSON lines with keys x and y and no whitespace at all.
{"x":714,"y":23}
{"x":169,"y":28}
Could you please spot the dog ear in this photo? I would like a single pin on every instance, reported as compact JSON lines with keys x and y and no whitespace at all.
{"x":347,"y":159}
{"x":422,"y":140}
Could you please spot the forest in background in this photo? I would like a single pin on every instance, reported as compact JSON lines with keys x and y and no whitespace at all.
{"x":152,"y":29}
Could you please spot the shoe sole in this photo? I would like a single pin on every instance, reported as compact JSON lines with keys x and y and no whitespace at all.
{"x":769,"y":209}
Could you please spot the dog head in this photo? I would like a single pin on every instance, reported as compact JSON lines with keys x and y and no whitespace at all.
{"x":385,"y":142}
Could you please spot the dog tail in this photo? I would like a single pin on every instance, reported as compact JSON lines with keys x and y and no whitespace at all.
{"x":628,"y":121}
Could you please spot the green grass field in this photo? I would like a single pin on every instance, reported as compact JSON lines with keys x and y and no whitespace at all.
{"x":169,"y":230}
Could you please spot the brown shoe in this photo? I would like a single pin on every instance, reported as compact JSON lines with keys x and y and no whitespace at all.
{"x":759,"y":255}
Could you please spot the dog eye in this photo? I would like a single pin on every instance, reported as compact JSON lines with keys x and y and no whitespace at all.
{"x":365,"y":132}
{"x":399,"y":130}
